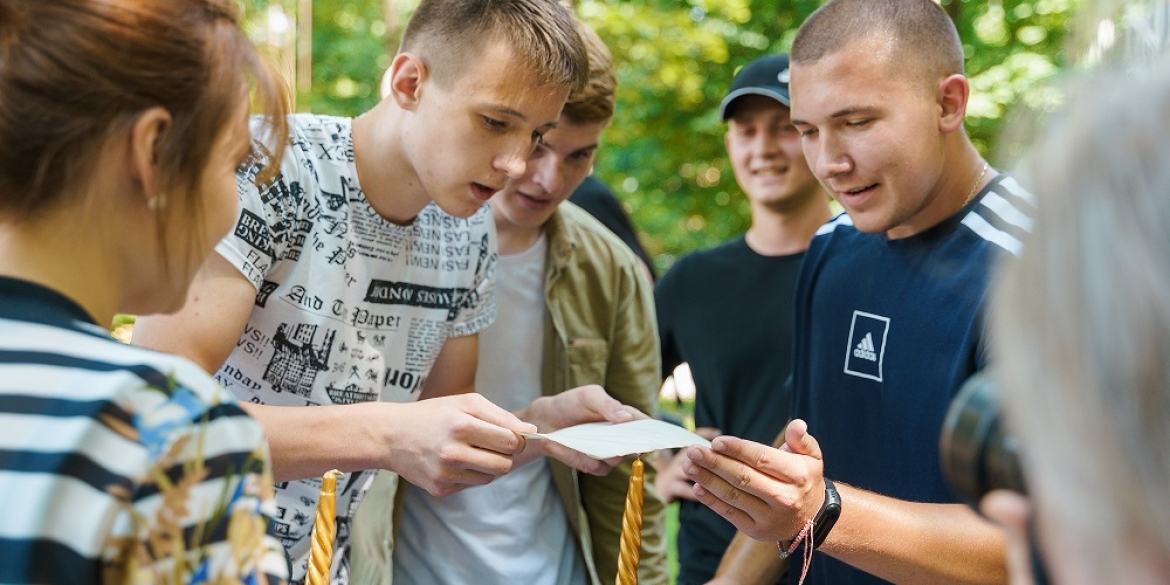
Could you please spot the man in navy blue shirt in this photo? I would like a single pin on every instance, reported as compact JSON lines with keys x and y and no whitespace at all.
{"x":888,"y":311}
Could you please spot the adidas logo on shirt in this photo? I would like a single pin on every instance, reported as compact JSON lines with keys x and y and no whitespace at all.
{"x":864,"y":350}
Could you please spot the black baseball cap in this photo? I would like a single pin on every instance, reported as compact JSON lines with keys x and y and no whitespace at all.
{"x":766,"y":76}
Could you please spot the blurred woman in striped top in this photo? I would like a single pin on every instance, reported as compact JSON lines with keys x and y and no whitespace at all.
{"x":121,"y":125}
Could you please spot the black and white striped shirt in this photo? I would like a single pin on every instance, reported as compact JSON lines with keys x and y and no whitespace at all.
{"x":119,"y":464}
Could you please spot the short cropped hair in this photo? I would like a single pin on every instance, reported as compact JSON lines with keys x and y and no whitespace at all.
{"x":919,"y":29}
{"x":594,"y":102}
{"x":446,"y":35}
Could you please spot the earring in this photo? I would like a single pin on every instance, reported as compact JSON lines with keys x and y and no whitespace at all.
{"x":157,"y":202}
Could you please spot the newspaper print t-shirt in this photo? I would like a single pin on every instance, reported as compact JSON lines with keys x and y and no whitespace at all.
{"x":349,"y":307}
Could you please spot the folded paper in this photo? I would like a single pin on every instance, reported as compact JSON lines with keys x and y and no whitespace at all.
{"x":605,"y":440}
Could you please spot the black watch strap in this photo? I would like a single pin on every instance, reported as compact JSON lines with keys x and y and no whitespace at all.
{"x":827,"y":516}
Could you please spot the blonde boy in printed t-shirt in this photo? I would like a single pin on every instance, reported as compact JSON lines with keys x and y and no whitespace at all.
{"x":575,"y":308}
{"x":358,"y":279}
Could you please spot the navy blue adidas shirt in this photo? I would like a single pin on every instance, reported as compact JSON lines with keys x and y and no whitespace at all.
{"x":886,"y":332}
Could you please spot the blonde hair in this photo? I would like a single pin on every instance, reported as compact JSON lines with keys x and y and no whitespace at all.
{"x":594,"y":101}
{"x":447,"y":35}
{"x":1082,"y":320}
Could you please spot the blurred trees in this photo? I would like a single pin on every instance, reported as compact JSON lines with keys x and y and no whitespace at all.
{"x":664,"y":153}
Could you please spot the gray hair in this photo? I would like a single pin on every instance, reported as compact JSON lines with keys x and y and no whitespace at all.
{"x":1082,"y":320}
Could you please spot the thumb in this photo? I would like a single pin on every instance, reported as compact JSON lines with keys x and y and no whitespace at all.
{"x":596,"y":399}
{"x":799,"y":441}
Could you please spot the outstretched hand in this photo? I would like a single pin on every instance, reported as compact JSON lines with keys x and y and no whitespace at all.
{"x":766,"y":493}
{"x":454,"y":442}
{"x":672,"y":482}
{"x":580,"y":405}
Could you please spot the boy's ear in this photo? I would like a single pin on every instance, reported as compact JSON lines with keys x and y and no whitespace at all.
{"x":407,"y":74}
{"x":952,"y":95}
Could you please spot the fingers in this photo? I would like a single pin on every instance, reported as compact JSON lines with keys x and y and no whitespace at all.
{"x":613,"y":462}
{"x":594,"y":399}
{"x":799,"y":441}
{"x":708,"y":433}
{"x":764,"y":491}
{"x":483,"y":409}
{"x":472,"y":441}
{"x":774,"y":463}
{"x":583,"y":404}
{"x":578,"y":460}
{"x":726,"y":498}
{"x":455,"y":441}
{"x":457,"y":484}
{"x":737,"y":517}
{"x":464,"y":459}
{"x":672,"y":482}
{"x":1011,"y":511}
{"x":452,"y":467}
{"x":486,"y":426}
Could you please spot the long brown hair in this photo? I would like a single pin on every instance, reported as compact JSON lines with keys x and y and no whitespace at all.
{"x":74,"y":72}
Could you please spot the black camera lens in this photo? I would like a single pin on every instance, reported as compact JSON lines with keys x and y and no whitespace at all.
{"x":977,"y":455}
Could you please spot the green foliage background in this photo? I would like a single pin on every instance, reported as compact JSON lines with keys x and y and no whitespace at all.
{"x":663,"y":154}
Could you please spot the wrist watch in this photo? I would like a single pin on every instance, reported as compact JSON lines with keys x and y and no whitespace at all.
{"x":821,"y":523}
{"x":827,"y":516}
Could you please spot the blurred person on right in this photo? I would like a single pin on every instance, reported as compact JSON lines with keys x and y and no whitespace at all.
{"x":1082,"y":344}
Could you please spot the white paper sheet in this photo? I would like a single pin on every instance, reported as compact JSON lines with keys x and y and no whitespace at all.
{"x":604,"y":440}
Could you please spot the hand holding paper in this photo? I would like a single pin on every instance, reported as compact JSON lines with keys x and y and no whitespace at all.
{"x":572,"y":408}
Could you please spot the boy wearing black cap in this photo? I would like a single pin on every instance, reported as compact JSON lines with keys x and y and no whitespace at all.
{"x":727,"y":311}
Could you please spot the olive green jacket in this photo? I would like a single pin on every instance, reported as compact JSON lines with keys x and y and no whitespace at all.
{"x":600,"y":328}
